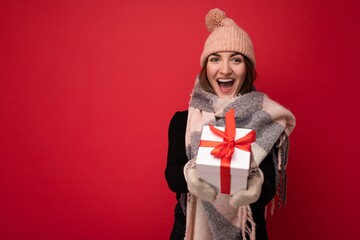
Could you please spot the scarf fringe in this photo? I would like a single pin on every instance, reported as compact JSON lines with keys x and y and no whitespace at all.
{"x":183,"y":199}
{"x":247,"y":224}
{"x":280,"y":161}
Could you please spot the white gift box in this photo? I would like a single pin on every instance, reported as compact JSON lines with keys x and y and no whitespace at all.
{"x":208,"y":166}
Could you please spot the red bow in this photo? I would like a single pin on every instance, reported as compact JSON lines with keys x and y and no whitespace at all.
{"x":225,"y":149}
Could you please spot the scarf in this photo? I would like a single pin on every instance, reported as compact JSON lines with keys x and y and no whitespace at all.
{"x":273,"y":124}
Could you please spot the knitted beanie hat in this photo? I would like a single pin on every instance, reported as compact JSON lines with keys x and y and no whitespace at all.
{"x":225,"y":35}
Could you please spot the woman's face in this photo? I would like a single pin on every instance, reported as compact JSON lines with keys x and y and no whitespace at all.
{"x":226,"y":72}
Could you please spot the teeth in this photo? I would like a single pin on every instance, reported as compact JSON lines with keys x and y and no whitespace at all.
{"x":225,"y":80}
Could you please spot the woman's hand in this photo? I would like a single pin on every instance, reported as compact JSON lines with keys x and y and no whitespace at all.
{"x":252,"y":193}
{"x":196,"y":186}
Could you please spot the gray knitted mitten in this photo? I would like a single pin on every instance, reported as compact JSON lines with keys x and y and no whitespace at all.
{"x":253,"y":191}
{"x":196,"y":186}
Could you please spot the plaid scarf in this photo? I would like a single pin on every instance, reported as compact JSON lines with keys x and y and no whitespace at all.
{"x":273,"y":124}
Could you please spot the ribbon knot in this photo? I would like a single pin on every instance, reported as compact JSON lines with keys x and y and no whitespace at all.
{"x":224,"y":150}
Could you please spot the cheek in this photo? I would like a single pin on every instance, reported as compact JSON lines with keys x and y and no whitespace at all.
{"x":241,"y":73}
{"x":210,"y":71}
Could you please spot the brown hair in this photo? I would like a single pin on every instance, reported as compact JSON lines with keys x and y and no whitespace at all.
{"x":247,"y":86}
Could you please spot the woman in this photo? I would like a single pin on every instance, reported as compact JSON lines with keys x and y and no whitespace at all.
{"x":226,"y":82}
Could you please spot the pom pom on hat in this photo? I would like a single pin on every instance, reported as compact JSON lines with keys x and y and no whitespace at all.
{"x":213,"y":19}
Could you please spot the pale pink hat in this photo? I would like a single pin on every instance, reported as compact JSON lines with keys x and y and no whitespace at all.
{"x":225,"y":35}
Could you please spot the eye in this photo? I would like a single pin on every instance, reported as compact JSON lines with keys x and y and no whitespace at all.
{"x":214,"y":59}
{"x":236,"y":60}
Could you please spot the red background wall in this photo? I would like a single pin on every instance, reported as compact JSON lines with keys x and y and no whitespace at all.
{"x":88,"y":89}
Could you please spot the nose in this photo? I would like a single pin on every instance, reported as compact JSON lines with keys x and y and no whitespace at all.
{"x":225,"y":68}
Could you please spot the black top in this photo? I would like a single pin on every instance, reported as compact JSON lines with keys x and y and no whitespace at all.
{"x":176,"y":160}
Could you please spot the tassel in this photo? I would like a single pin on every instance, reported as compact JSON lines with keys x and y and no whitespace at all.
{"x":282,"y":157}
{"x":265,"y":214}
{"x":272,"y":206}
{"x":183,"y":200}
{"x":252,"y":231}
{"x":279,"y":160}
{"x":243,"y":222}
{"x":240,"y":216}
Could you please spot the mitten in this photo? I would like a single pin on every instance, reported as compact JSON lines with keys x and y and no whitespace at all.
{"x":196,"y":186}
{"x":253,"y":191}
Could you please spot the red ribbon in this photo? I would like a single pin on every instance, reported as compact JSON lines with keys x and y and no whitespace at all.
{"x":225,"y":149}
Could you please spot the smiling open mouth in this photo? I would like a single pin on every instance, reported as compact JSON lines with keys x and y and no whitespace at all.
{"x":225,"y":83}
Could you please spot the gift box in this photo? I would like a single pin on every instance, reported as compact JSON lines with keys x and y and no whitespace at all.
{"x":226,"y":175}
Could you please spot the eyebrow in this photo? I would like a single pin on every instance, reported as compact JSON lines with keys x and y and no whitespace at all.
{"x":218,"y":55}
